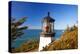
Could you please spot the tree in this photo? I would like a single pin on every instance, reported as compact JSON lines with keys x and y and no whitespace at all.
{"x":16,"y":30}
{"x":67,"y":29}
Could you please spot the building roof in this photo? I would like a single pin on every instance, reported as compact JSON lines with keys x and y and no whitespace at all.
{"x":48,"y":18}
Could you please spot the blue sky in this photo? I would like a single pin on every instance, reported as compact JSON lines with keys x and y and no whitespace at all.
{"x":63,"y":14}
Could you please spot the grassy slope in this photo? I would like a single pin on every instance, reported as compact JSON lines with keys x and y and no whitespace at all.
{"x":31,"y":45}
{"x":69,"y":40}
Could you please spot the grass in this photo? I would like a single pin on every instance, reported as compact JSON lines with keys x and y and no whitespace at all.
{"x":31,"y":45}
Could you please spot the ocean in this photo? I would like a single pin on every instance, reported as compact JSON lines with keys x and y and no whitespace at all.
{"x":32,"y":34}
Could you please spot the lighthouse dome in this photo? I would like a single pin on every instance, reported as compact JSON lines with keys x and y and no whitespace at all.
{"x":48,"y":18}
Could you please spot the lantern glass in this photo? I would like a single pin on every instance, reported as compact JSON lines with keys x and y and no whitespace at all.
{"x":44,"y":25}
{"x":52,"y":26}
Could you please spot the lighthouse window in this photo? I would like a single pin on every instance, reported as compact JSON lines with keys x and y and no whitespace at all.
{"x":52,"y":27}
{"x":44,"y":25}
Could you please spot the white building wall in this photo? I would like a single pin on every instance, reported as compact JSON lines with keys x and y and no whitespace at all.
{"x":43,"y":42}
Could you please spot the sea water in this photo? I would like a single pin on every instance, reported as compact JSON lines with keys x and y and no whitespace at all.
{"x":32,"y":34}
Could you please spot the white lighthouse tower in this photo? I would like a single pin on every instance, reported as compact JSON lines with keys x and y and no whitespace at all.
{"x":47,"y":31}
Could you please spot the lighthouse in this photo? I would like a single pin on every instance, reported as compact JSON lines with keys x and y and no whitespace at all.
{"x":47,"y":34}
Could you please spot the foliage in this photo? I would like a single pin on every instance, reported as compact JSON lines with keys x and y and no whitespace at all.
{"x":68,"y":40}
{"x":16,"y":30}
{"x":31,"y":45}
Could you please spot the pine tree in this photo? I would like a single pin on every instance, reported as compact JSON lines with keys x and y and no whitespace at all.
{"x":17,"y":31}
{"x":68,"y":28}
